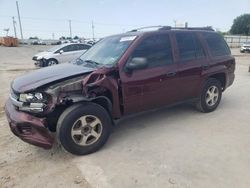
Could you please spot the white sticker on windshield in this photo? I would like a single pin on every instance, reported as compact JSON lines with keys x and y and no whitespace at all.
{"x":128,"y":38}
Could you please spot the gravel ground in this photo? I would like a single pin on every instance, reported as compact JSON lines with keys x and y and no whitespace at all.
{"x":175,"y":147}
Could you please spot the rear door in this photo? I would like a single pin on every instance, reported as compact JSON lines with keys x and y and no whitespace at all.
{"x":77,"y":50}
{"x":82,"y":48}
{"x":192,"y":61}
{"x":153,"y":86}
{"x":74,"y":52}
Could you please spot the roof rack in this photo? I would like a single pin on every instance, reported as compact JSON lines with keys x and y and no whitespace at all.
{"x":160,"y":28}
{"x":147,"y":27}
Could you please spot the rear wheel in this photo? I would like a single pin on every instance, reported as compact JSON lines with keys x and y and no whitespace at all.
{"x":210,"y":96}
{"x":83,"y":128}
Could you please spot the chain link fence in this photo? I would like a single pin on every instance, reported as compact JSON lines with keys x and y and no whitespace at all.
{"x":235,"y":41}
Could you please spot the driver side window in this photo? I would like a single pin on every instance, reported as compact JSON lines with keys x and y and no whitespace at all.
{"x":156,"y":49}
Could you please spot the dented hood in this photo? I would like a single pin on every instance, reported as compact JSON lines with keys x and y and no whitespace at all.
{"x":38,"y":78}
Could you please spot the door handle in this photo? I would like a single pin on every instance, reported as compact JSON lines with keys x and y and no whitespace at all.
{"x":171,"y":74}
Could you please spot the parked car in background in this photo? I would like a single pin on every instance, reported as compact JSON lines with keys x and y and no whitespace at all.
{"x":65,"y":41}
{"x":56,"y":42}
{"x":60,"y":54}
{"x":91,"y":42}
{"x":120,"y":75}
{"x":245,"y":47}
{"x":38,"y":42}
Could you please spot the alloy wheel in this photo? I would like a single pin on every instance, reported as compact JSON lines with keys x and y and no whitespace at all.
{"x":212,"y":95}
{"x":86,"y":130}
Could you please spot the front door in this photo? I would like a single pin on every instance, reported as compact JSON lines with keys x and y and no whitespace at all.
{"x":154,"y":85}
{"x":65,"y":54}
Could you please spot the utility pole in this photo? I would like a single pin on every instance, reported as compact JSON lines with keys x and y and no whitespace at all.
{"x":70,"y":31}
{"x":14,"y":26}
{"x":20,"y":24}
{"x":93,"y":31}
{"x":175,"y":21}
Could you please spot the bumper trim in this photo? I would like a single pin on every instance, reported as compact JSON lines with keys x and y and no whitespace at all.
{"x":29,"y":128}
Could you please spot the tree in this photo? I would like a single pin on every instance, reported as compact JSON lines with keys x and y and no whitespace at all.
{"x":76,"y":37}
{"x":241,"y":25}
{"x":62,"y":38}
{"x":33,"y":38}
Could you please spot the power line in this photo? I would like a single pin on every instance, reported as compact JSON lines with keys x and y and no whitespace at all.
{"x":72,"y":20}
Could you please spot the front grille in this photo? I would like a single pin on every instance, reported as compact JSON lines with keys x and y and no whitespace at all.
{"x":34,"y":58}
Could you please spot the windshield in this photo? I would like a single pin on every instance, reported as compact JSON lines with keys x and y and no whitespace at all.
{"x":108,"y":51}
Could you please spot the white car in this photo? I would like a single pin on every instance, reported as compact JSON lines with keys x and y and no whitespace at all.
{"x":245,"y":47}
{"x":60,"y":54}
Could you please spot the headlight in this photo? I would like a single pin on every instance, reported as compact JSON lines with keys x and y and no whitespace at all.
{"x":31,"y":97}
{"x":39,"y":57}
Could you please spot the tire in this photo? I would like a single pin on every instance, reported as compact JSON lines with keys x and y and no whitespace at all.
{"x":81,"y":138}
{"x":210,"y":96}
{"x":51,"y":62}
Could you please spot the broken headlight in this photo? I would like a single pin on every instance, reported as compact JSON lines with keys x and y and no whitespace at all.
{"x":31,"y":97}
{"x":32,"y":102}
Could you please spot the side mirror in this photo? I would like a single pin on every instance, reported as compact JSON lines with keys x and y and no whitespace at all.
{"x":61,"y":51}
{"x":136,"y":63}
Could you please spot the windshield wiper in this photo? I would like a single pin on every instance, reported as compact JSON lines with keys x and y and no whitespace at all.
{"x":92,"y":62}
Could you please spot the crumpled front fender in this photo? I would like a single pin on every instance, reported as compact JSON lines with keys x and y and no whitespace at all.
{"x":104,"y":78}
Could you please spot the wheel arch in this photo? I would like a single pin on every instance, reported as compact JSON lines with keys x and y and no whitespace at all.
{"x":221,"y":77}
{"x":52,"y":58}
{"x":103,"y":101}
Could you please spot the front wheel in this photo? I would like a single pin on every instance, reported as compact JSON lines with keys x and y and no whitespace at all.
{"x":210,"y":96}
{"x":84,"y":128}
{"x":51,"y":62}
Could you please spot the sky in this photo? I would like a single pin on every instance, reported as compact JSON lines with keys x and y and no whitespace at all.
{"x":50,"y":18}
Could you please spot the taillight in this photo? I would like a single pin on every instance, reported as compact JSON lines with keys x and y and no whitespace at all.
{"x":231,"y":65}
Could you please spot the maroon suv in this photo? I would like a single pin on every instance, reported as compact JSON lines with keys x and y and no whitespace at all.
{"x":121,"y":74}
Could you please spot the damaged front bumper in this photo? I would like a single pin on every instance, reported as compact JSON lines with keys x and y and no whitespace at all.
{"x":29,"y":128}
{"x":40,"y":62}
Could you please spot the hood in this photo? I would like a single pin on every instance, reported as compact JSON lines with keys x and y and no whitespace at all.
{"x":40,"y":55}
{"x":38,"y":78}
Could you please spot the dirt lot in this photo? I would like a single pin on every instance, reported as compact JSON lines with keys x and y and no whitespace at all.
{"x":176,"y":147}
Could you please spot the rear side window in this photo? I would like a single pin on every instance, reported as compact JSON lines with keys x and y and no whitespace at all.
{"x":189,"y":46}
{"x":216,"y":44}
{"x":83,"y":47}
{"x":74,"y":47}
{"x":157,"y":50}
